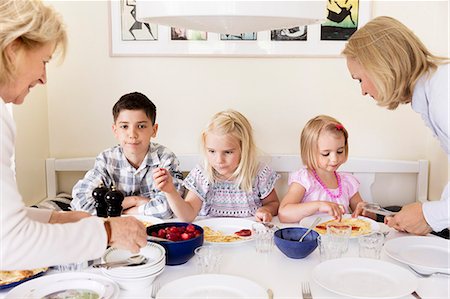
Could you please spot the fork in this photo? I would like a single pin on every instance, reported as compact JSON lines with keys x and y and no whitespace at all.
{"x":306,"y":290}
{"x":156,"y":285}
{"x":427,"y":274}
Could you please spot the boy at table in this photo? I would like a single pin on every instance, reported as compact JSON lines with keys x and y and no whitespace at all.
{"x":128,"y":166}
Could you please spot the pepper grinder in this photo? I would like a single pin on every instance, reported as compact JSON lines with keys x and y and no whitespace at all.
{"x":100,"y":204}
{"x":114,"y":200}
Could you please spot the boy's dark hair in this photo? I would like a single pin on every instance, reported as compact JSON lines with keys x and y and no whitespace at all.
{"x":135,"y":101}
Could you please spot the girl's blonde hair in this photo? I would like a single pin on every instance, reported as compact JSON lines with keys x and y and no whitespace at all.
{"x":32,"y":24}
{"x":393,"y":57}
{"x":310,"y":135}
{"x":231,"y":122}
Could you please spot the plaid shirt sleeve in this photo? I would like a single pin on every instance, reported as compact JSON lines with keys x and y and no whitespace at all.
{"x":158,"y":205}
{"x":82,"y":191}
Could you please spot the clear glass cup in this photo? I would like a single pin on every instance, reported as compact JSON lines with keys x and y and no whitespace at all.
{"x":370,"y":245}
{"x":327,"y":249}
{"x":339,"y":236}
{"x":263,"y":236}
{"x":208,"y":259}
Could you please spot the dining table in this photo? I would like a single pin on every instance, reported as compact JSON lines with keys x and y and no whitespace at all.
{"x":282,"y":275}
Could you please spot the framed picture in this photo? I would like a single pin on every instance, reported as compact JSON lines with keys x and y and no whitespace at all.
{"x":129,"y":37}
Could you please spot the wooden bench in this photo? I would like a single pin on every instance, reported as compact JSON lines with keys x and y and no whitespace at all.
{"x":388,"y":182}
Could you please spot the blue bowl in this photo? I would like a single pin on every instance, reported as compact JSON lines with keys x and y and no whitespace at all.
{"x":177,"y":252}
{"x":286,"y":239}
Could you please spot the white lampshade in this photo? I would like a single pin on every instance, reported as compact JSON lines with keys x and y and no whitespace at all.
{"x":231,"y":17}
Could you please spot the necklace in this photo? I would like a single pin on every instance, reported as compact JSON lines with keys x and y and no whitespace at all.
{"x":338,"y":178}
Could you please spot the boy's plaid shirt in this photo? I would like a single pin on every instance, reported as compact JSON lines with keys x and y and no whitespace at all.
{"x":112,"y":168}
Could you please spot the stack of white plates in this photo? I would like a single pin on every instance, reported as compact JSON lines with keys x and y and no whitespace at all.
{"x":136,"y":277}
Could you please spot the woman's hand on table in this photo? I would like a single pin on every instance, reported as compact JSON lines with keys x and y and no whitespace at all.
{"x":410,"y":219}
{"x":127,"y":233}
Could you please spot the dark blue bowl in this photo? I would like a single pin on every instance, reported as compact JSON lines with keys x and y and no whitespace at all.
{"x":286,"y":239}
{"x":178,"y":252}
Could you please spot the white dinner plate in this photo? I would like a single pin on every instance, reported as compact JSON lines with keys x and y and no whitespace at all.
{"x":212,"y":286}
{"x":364,"y":278}
{"x":307,"y":221}
{"x":425,"y":253}
{"x":147,"y":219}
{"x":227,"y":226}
{"x":68,"y":284}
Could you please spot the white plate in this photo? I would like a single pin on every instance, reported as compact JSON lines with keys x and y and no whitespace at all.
{"x":307,"y":221}
{"x":228,"y":226}
{"x":155,"y":253}
{"x":425,"y":254}
{"x":212,"y":286}
{"x":43,"y":286}
{"x":148,"y":219}
{"x":364,"y":278}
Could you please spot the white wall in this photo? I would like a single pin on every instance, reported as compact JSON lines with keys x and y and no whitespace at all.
{"x":278,"y":95}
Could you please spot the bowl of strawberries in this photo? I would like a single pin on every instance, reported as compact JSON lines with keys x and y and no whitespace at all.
{"x":179,"y":239}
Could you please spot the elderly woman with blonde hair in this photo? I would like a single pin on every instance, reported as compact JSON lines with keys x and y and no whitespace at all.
{"x":30,"y":32}
{"x":394,"y":67}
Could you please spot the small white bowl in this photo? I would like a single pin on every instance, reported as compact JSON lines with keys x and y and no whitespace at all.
{"x":135,"y":283}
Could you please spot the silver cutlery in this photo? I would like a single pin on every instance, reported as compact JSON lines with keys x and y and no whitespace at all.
{"x":155,"y":288}
{"x":428,"y":274}
{"x":134,"y":260}
{"x":306,"y":290}
{"x":377,"y":209}
{"x":152,"y":238}
{"x":270,"y":293}
{"x":313,"y":225}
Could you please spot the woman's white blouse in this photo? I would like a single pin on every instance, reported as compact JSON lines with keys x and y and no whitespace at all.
{"x":26,"y":239}
{"x":431,"y":100}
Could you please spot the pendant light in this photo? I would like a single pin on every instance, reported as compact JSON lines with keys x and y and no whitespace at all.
{"x":231,"y":17}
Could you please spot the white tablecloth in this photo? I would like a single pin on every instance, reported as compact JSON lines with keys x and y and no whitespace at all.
{"x":280,"y":273}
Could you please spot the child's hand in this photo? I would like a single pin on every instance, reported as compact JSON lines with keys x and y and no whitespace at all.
{"x":263,"y":214}
{"x":333,"y":209}
{"x":163,"y":180}
{"x":360,"y":211}
{"x":130,"y":204}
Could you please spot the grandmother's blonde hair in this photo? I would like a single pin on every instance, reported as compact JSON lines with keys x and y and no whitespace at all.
{"x":233,"y":123}
{"x":32,"y":24}
{"x":309,"y":148}
{"x":393,"y":57}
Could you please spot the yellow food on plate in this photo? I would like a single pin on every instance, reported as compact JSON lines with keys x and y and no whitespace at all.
{"x":359,"y":226}
{"x":7,"y":277}
{"x":211,"y":235}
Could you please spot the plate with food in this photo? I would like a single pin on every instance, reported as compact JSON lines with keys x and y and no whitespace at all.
{"x":226,"y":231}
{"x":9,"y":279}
{"x":75,"y":285}
{"x":360,"y":225}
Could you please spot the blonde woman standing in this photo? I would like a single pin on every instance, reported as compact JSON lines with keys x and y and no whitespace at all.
{"x":394,"y":67}
{"x":30,"y":32}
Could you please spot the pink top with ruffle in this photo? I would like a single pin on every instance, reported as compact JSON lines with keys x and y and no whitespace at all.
{"x":315,"y":192}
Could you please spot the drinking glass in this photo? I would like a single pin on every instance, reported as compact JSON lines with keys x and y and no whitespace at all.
{"x":208,"y":258}
{"x":370,"y":245}
{"x":339,"y":236}
{"x":263,"y":236}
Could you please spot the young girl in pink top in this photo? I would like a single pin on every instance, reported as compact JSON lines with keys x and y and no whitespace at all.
{"x":318,"y":187}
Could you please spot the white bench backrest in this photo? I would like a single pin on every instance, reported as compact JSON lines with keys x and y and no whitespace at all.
{"x":365,"y":170}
